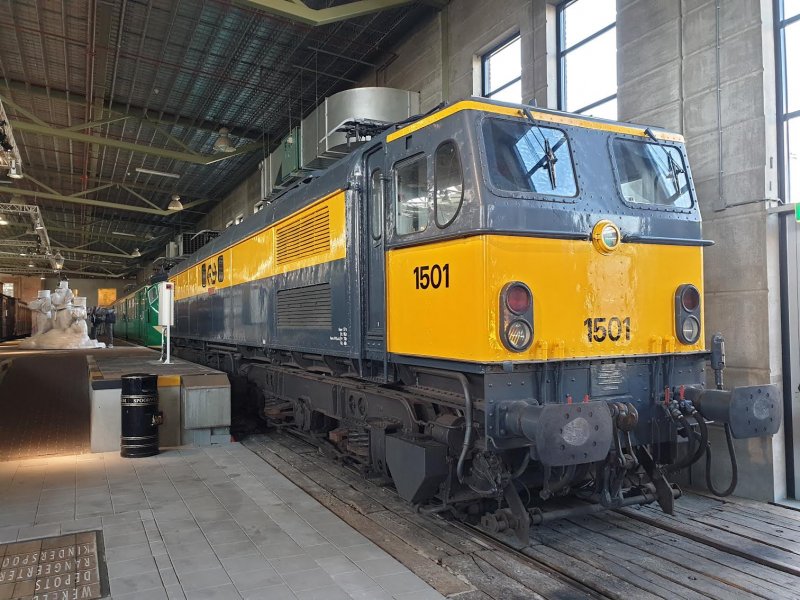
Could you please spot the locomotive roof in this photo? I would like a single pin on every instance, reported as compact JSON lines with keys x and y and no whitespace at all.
{"x":317,"y":185}
{"x":539,"y":114}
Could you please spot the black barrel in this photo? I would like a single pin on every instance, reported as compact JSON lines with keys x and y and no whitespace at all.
{"x":140,"y":415}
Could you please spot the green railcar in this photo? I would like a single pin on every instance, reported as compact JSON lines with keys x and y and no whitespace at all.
{"x":137,"y":317}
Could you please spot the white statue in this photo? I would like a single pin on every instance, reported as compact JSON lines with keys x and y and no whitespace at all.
{"x":62,"y":304}
{"x":67,"y":327}
{"x":42,"y":312}
{"x":79,"y":316}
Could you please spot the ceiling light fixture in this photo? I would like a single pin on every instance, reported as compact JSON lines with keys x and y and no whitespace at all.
{"x":122,"y":233}
{"x":224,"y":143}
{"x":13,"y":173}
{"x":31,"y":265}
{"x":135,"y":253}
{"x":175,"y":204}
{"x":39,"y":225}
{"x":58,"y":261}
{"x":159,"y":173}
{"x":3,"y":221}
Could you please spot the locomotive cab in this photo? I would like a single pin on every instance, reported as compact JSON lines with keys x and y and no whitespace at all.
{"x":568,"y":273}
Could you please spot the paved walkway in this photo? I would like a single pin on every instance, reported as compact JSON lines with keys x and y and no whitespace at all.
{"x":200,"y":523}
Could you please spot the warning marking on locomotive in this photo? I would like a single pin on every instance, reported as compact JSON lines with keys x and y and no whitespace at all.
{"x":67,"y":567}
{"x":341,"y":338}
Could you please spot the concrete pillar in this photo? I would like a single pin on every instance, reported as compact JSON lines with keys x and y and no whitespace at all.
{"x":706,"y":68}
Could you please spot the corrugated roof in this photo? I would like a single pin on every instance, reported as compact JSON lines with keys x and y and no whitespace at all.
{"x":168,"y":74}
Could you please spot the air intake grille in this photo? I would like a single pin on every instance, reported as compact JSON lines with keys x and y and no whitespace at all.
{"x":308,"y":306}
{"x":309,"y":236}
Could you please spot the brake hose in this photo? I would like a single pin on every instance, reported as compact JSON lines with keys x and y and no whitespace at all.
{"x":689,"y":457}
{"x":701,"y":424}
{"x":734,"y":466}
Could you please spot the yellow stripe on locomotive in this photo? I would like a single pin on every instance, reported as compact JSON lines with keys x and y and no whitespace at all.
{"x":444,"y":298}
{"x":311,"y":236}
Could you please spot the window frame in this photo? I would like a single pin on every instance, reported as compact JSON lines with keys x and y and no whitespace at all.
{"x":203,"y":274}
{"x":526,"y":195}
{"x":395,"y":167}
{"x":643,"y":205}
{"x":561,"y":58}
{"x":486,"y":57}
{"x":220,"y":269}
{"x":783,"y":117}
{"x":379,"y":212}
{"x":453,"y":143}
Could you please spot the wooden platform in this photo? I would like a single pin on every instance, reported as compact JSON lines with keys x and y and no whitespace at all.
{"x":105,"y":367}
{"x":710,"y":548}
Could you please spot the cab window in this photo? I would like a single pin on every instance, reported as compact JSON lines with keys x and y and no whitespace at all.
{"x":448,"y":183}
{"x":411,"y":202}
{"x":523,"y":157}
{"x":651,"y":173}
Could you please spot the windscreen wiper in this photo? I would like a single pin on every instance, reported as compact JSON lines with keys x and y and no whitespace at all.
{"x":549,"y":157}
{"x":674,"y":168}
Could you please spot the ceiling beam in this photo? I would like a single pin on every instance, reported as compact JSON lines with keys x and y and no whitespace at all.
{"x":57,"y":177}
{"x":106,"y":236}
{"x":98,"y":203}
{"x":49,"y":272}
{"x":63,"y":248}
{"x":297,"y":11}
{"x":76,"y":136}
{"x":136,"y":112}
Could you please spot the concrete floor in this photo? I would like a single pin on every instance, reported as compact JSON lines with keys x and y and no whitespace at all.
{"x":209,"y":523}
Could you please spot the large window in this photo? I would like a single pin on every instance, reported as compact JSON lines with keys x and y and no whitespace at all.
{"x":502,"y":72}
{"x":526,"y":158}
{"x":587,"y":57}
{"x":789,"y":113}
{"x":8,"y":289}
{"x":651,"y":174}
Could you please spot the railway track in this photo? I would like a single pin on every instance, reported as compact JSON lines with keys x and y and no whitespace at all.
{"x":710,"y":548}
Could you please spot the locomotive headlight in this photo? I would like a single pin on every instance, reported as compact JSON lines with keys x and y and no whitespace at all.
{"x":606,"y":236}
{"x":690,"y":328}
{"x":610,"y":236}
{"x":519,"y":335}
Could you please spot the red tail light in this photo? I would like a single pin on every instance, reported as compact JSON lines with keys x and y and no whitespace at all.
{"x":518,"y":299}
{"x":690,"y":298}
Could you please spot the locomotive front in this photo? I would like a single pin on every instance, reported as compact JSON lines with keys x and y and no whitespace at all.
{"x":572,"y":289}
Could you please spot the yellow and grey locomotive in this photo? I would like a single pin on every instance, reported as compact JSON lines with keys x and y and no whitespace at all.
{"x":490,"y":305}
